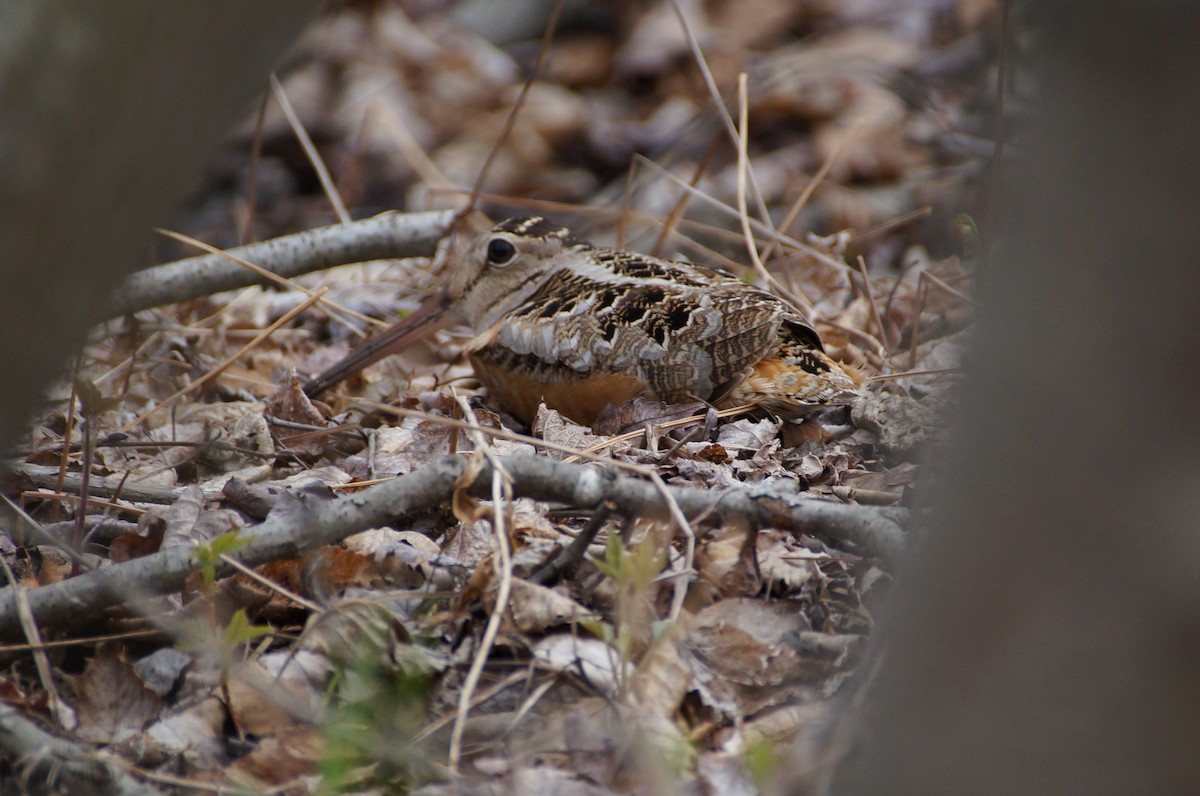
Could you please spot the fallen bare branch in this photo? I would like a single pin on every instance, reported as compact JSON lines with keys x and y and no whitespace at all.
{"x":385,"y":236}
{"x":71,"y":766}
{"x":101,"y":486}
{"x":297,"y":527}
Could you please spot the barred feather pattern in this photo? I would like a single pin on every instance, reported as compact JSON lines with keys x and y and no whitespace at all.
{"x":553,"y":313}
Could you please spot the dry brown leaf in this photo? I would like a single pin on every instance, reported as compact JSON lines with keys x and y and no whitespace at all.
{"x":337,"y":635}
{"x":662,"y":679}
{"x":263,"y":705}
{"x":790,"y":566}
{"x":112,"y":703}
{"x":726,"y":560}
{"x":194,"y":731}
{"x":465,"y":507}
{"x":581,"y":736}
{"x":406,"y":559}
{"x":535,"y":609}
{"x":289,"y":403}
{"x":331,"y":570}
{"x":558,"y":430}
{"x":403,"y":448}
{"x":639,"y":412}
{"x":288,"y":756}
{"x":146,"y":540}
{"x":188,"y":521}
{"x":753,"y":643}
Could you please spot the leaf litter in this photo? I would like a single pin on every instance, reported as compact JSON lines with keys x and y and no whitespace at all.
{"x":356,"y":676}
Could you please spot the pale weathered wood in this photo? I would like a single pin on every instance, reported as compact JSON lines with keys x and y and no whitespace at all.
{"x":1046,"y":638}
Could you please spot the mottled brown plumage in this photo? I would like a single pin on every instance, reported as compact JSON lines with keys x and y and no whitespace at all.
{"x":559,"y":320}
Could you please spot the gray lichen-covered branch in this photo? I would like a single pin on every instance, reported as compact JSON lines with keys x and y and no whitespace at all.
{"x":390,"y":235}
{"x":72,"y":767}
{"x":296,"y":526}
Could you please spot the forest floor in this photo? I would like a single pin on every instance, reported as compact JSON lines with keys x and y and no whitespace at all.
{"x":409,"y":637}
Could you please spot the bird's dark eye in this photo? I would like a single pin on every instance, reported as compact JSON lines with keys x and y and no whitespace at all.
{"x":500,"y":251}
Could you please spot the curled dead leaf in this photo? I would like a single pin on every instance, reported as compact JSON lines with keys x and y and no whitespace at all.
{"x":465,"y":507}
{"x":535,"y":609}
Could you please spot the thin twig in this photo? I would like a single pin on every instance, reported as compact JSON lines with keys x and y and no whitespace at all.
{"x":502,"y":561}
{"x":914,"y":373}
{"x":767,"y":232}
{"x":711,"y":83}
{"x":59,"y":709}
{"x":799,"y":299}
{"x":71,"y":551}
{"x":221,"y":366}
{"x":78,"y":642}
{"x":891,"y":223}
{"x":566,"y":561}
{"x":73,"y":497}
{"x":573,"y":454}
{"x":410,"y":149}
{"x":793,"y":212}
{"x":689,"y":546}
{"x":951,"y":290}
{"x":310,"y":150}
{"x":270,"y":584}
{"x":44,"y":477}
{"x":247,"y":230}
{"x":869,"y":293}
{"x":819,"y":177}
{"x":85,"y":474}
{"x":547,"y":37}
{"x":677,"y":211}
{"x":65,"y":458}
{"x":441,"y":721}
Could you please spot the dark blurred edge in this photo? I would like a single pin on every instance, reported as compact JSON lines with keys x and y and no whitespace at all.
{"x":1046,"y":638}
{"x":107,"y":112}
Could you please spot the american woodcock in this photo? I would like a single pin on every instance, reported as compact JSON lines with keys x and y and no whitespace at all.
{"x":559,"y":320}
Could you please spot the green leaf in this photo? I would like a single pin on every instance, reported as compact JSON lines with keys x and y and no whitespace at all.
{"x":208,"y":554}
{"x":240,"y":631}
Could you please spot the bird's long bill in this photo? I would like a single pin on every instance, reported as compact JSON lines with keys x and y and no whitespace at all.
{"x":427,"y":319}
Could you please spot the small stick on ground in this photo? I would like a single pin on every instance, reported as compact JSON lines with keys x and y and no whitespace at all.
{"x":386,"y":236}
{"x":501,"y":494}
{"x":565,"y":563}
{"x":220,"y":368}
{"x":74,"y":767}
{"x":874,"y":531}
